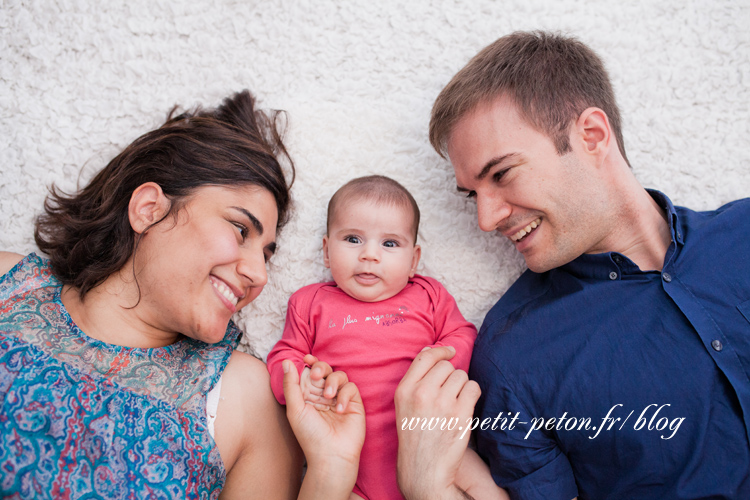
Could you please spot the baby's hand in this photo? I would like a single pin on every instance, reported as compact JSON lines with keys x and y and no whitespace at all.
{"x":323,"y":385}
{"x":313,"y":382}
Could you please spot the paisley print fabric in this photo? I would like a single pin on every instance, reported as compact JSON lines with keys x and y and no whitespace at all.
{"x":83,"y":419}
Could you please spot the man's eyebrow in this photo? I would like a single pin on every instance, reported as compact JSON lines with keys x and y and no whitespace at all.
{"x":253,"y":219}
{"x":488,"y":166}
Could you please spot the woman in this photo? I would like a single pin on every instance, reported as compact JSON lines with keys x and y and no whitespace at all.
{"x":118,"y":374}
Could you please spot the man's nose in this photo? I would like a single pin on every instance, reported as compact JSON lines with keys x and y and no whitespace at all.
{"x":491,"y":211}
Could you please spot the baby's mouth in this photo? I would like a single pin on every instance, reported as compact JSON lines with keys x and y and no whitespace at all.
{"x":522,"y":233}
{"x":366,"y":277}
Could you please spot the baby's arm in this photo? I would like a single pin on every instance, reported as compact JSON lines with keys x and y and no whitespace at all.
{"x":474,"y":478}
{"x":296,"y":342}
{"x":451,"y":328}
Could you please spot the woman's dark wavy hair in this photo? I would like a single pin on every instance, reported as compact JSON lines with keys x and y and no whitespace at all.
{"x":87,"y":235}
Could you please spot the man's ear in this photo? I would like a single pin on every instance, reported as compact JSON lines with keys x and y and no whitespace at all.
{"x":415,"y":260}
{"x":593,"y":131}
{"x":148,"y":205}
{"x":326,"y":260}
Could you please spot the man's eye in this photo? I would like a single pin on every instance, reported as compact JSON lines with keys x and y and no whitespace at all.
{"x":471,"y":194}
{"x":497,"y":176}
{"x":390,"y":244}
{"x":352,"y":239}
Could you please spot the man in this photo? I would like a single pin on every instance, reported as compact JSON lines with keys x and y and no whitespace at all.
{"x":618,"y":365}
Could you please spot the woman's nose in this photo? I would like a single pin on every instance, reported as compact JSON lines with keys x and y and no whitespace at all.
{"x":252,"y":266}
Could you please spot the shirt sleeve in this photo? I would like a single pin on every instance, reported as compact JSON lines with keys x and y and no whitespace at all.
{"x":451,"y":328}
{"x":296,"y":341}
{"x":526,"y":461}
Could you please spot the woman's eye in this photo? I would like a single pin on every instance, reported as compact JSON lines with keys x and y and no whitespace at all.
{"x":390,"y":244}
{"x":352,"y":239}
{"x":242,"y":228}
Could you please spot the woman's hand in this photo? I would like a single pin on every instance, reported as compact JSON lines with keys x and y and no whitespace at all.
{"x":331,"y":440}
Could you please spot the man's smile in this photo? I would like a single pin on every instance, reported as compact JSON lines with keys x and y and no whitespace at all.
{"x":523,"y":232}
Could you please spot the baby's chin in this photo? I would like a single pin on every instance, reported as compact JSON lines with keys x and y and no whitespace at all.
{"x":360,"y":293}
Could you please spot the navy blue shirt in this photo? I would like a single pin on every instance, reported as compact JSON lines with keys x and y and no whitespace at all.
{"x":646,"y":374}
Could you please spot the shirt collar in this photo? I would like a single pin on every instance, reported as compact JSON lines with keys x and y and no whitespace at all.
{"x":614,"y":265}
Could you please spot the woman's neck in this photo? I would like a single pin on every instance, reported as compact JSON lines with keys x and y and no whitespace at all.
{"x":112,"y":313}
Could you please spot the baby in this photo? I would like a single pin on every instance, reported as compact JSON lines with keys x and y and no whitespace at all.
{"x":372,"y":320}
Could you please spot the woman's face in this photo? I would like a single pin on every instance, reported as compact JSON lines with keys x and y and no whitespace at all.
{"x":199,"y":268}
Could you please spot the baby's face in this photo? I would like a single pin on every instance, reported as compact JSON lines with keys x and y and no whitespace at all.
{"x":370,"y":249}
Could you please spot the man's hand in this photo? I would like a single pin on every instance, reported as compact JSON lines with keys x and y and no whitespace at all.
{"x":429,"y":459}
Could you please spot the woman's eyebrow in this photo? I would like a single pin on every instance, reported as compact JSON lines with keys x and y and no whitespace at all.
{"x":253,"y":219}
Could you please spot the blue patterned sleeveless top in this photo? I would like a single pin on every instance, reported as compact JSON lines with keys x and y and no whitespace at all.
{"x":83,"y":419}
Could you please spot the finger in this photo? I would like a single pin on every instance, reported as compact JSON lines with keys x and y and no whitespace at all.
{"x":309,"y":386}
{"x":455,"y":383}
{"x":320,"y":370}
{"x":438,"y":374}
{"x":312,"y":390}
{"x":292,"y":390}
{"x":333,"y":382}
{"x":310,"y":360}
{"x":469,"y":395}
{"x":424,"y":361}
{"x":347,"y":393}
{"x":318,"y":384}
{"x":319,"y":400}
{"x":322,"y":407}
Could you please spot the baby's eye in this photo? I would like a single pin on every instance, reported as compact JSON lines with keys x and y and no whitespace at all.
{"x":390,"y":244}
{"x":352,"y":239}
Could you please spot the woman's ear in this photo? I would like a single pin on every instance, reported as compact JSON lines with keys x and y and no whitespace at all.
{"x":148,"y":205}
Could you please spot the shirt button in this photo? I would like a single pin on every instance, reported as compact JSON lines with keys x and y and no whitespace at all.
{"x":613,"y":275}
{"x":716,"y":344}
{"x":617,"y":258}
{"x":666,"y":277}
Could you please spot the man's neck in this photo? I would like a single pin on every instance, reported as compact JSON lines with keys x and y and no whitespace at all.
{"x":642,"y":233}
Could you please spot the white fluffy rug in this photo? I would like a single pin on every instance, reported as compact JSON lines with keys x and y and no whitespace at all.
{"x":81,"y":79}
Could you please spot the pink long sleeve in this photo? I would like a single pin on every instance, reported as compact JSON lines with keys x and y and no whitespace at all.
{"x":451,"y":328}
{"x":296,"y":341}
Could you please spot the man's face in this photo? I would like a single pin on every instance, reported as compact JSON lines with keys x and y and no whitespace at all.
{"x":551,"y":207}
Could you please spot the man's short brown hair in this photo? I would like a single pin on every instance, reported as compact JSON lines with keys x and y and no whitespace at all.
{"x":377,"y":189}
{"x":550,"y":77}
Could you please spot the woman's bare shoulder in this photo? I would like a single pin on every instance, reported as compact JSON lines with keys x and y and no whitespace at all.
{"x":253,"y":435}
{"x":246,"y":384}
{"x":8,"y":260}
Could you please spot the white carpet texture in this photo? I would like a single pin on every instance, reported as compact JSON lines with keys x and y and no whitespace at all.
{"x":81,"y":79}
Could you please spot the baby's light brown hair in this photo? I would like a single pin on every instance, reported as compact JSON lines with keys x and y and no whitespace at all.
{"x":377,"y":189}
